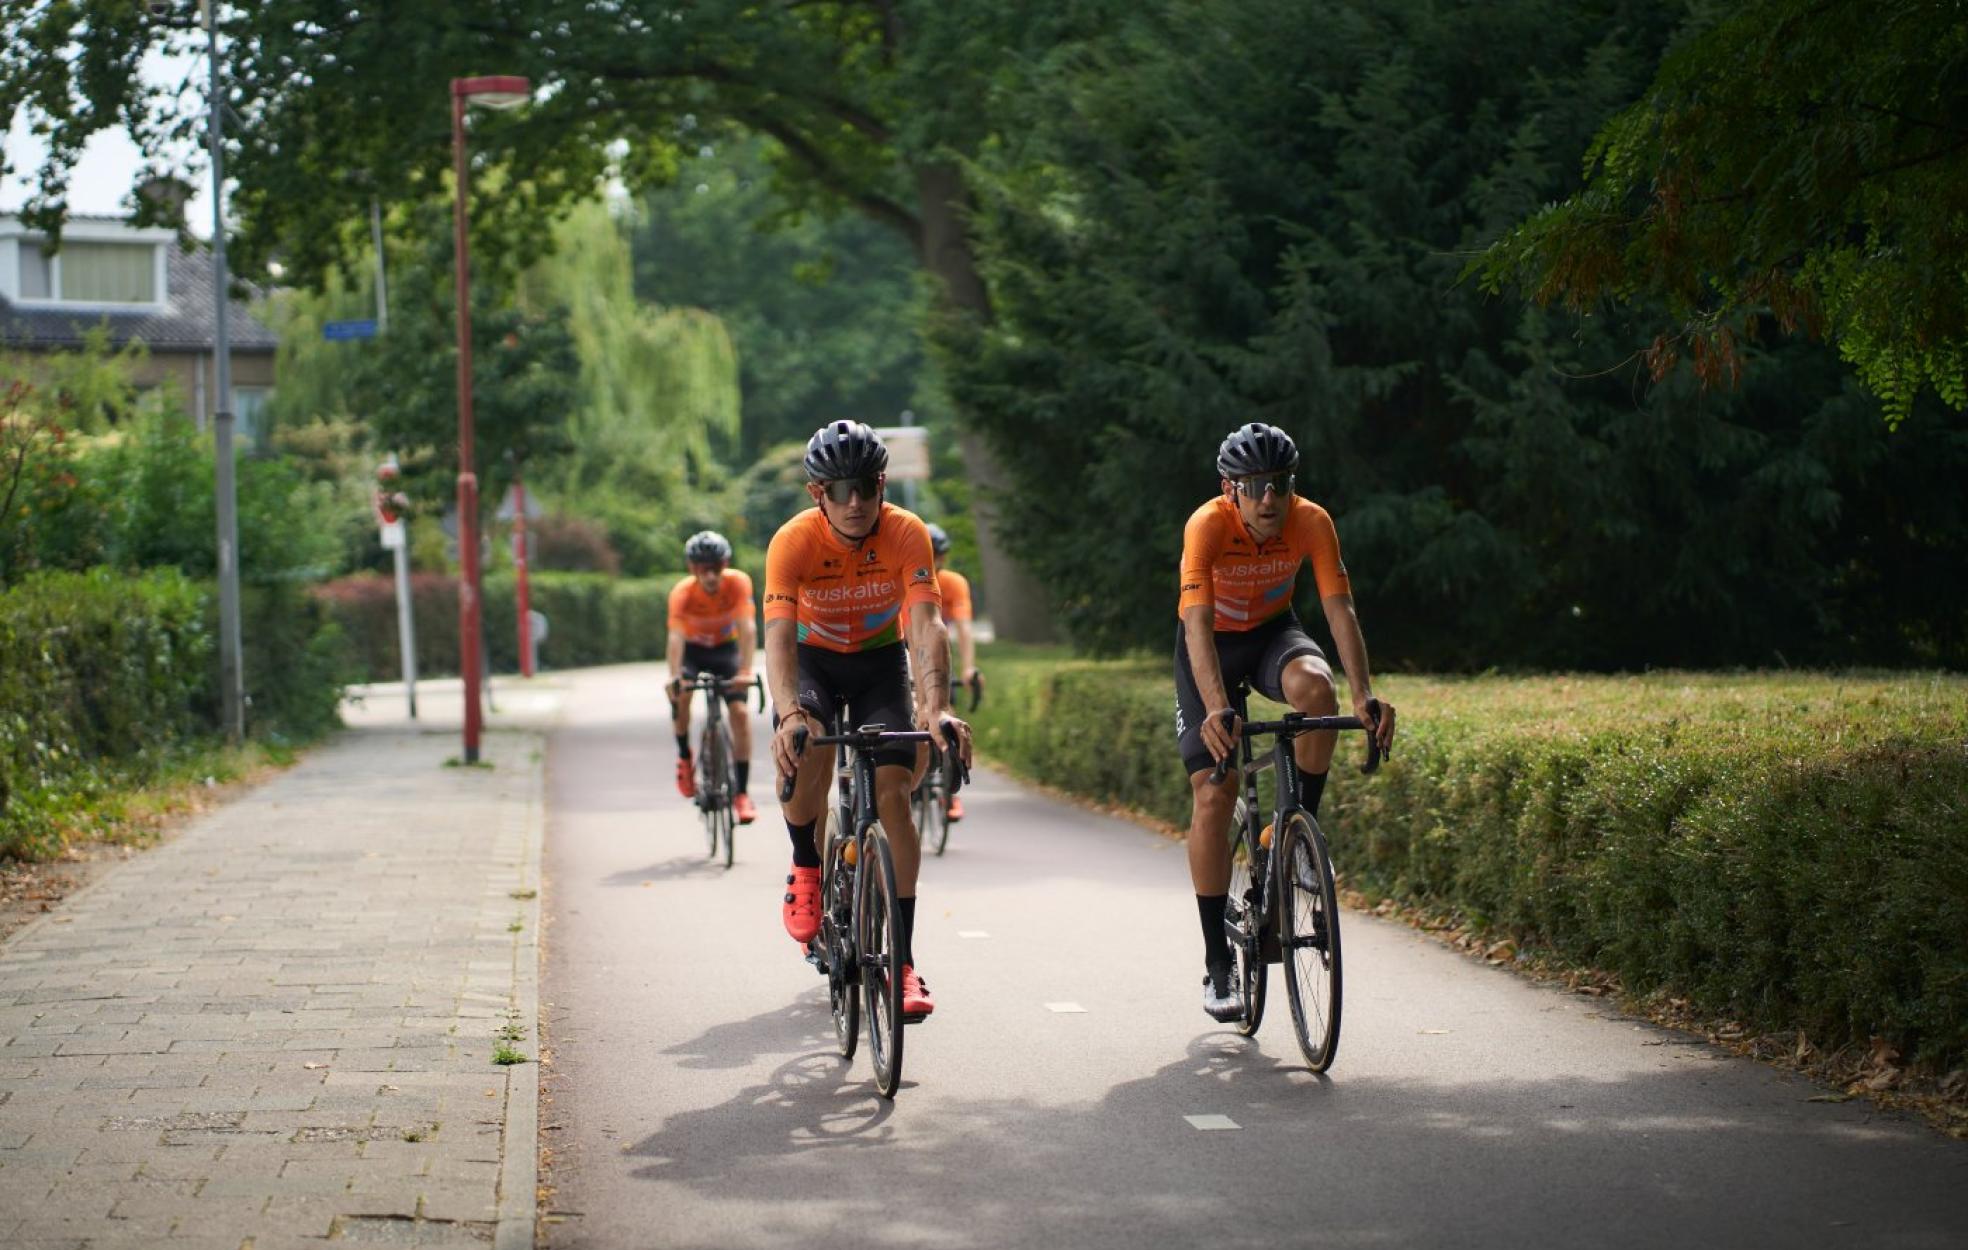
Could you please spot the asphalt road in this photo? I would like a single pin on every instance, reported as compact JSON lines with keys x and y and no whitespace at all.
{"x":695,"y":1097}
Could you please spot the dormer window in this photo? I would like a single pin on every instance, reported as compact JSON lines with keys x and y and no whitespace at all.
{"x":90,"y":272}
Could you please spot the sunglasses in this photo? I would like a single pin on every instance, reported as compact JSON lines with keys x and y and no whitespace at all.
{"x":1254,"y":487}
{"x":842,"y":489}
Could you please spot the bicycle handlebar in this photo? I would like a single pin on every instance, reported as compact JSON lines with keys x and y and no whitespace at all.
{"x":1295,"y":723}
{"x":866,"y":738}
{"x":711,"y":683}
{"x":975,"y":683}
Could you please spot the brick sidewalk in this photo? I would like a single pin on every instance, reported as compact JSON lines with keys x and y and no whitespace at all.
{"x":279,"y":1027}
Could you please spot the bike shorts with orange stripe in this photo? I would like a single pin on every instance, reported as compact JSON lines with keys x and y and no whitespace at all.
{"x":1256,"y":657}
{"x":867,"y":687}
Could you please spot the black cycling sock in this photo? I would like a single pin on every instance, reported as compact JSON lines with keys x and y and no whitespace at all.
{"x":744,"y":775}
{"x":1310,"y":787}
{"x":804,"y":854}
{"x":1216,"y":944}
{"x":905,"y":929}
{"x":683,"y":747}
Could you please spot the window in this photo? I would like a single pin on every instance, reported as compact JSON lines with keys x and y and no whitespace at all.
{"x":86,"y":272}
{"x":36,"y":276}
{"x":249,"y":414}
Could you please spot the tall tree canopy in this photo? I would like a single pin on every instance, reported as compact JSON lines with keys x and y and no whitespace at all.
{"x":1802,"y":163}
{"x":1258,"y":209}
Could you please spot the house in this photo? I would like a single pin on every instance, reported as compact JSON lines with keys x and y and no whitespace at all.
{"x":144,"y":284}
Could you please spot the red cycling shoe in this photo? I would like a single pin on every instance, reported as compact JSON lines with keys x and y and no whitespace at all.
{"x":686,"y":780}
{"x":744,"y":808}
{"x":916,"y":1000}
{"x":955,"y":809}
{"x":801,"y":910}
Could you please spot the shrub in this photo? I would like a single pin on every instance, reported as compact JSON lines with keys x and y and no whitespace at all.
{"x":572,"y":544}
{"x":99,"y":674}
{"x":593,"y":619}
{"x":1788,"y":850}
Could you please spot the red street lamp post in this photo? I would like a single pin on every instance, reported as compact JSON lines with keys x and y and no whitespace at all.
{"x":502,"y":91}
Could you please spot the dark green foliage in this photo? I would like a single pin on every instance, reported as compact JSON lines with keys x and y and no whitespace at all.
{"x":1792,"y":166}
{"x":593,"y":619}
{"x":1225,"y":212}
{"x":296,"y":661}
{"x":100,"y":676}
{"x":1789,"y":851}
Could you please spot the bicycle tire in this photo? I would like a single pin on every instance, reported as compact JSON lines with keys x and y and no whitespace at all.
{"x":708,"y":773}
{"x":727,"y":791}
{"x":1308,"y":916}
{"x":837,"y":946}
{"x":933,"y":805}
{"x":1241,"y":915}
{"x":877,"y":935}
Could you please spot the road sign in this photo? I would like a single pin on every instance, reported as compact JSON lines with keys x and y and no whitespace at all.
{"x":908,"y":452}
{"x":392,"y":534}
{"x":339,"y":331}
{"x":533,"y":509}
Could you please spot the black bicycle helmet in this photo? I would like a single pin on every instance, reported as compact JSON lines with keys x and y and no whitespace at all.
{"x":939,"y":539}
{"x":844,"y":449}
{"x":707,"y":547}
{"x":1256,"y":448}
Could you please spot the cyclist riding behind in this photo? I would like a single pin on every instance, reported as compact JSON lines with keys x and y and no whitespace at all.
{"x":955,"y":588}
{"x":1241,"y":553}
{"x":713,"y":630}
{"x":846,"y":582}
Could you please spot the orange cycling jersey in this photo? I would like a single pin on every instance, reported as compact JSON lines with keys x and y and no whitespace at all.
{"x":849,"y":596}
{"x":710,"y":620}
{"x":1250,"y":582}
{"x":956,"y":594}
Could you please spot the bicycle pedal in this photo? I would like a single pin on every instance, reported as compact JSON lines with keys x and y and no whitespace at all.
{"x":916,"y":1018}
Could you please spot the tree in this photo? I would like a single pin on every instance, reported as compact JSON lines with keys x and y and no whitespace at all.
{"x":1257,"y":210}
{"x":871,"y":104}
{"x":1793,"y":165}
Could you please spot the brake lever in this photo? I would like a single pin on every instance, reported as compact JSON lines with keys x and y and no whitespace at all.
{"x":799,"y":749}
{"x":1374,"y":755}
{"x":1222,"y":768}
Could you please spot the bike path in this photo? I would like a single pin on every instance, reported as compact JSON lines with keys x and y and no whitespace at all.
{"x":695,"y":1099}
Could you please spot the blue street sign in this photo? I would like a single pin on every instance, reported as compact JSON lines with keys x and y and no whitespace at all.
{"x":339,"y":330}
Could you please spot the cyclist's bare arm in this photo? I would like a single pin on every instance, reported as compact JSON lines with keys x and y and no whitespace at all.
{"x":673,"y":653}
{"x":782,"y":679}
{"x":1199,"y":634}
{"x":1352,"y":644}
{"x":929,"y":652}
{"x":966,"y":648}
{"x":748,"y":642}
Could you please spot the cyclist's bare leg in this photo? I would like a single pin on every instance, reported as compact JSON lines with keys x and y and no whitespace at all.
{"x":680,"y":714}
{"x":922,"y":767}
{"x":809,"y":799}
{"x":1209,"y":824}
{"x":1308,"y":686}
{"x":741,"y":732}
{"x":892,"y":787}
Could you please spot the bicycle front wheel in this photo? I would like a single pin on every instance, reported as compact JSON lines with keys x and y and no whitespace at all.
{"x":933,"y":805}
{"x":1308,"y":916}
{"x":727,"y":775}
{"x":709,"y":772}
{"x":1242,"y":917}
{"x":878,"y":934}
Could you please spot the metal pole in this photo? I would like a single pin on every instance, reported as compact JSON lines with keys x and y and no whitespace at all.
{"x":468,"y":585}
{"x":382,"y":279}
{"x":232,"y":685}
{"x":406,"y":618}
{"x":519,"y":568}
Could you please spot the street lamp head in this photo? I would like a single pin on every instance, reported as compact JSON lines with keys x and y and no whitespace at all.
{"x":499,"y":91}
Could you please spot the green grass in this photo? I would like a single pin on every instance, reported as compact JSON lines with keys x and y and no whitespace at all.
{"x":1790,"y":849}
{"x":505,"y":1055}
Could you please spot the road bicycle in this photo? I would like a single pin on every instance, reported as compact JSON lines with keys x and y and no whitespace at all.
{"x":932,"y":796}
{"x":717,"y":773}
{"x":860,"y":919}
{"x":1284,"y":902}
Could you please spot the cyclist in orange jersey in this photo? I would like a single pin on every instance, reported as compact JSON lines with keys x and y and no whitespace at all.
{"x":1241,"y":553}
{"x":713,"y":630}
{"x":846,"y":582}
{"x":955,"y":588}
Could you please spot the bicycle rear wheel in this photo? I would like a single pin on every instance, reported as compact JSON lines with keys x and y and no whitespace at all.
{"x":727,"y":774}
{"x":878,"y":935}
{"x":836,"y":938}
{"x":1308,"y":916}
{"x":1240,"y":919}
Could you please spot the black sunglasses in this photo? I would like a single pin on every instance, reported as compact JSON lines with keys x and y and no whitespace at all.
{"x":1254,"y":487}
{"x":841,"y":489}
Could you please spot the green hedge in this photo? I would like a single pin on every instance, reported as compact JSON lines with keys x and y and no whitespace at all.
{"x":592,"y":619}
{"x":1788,"y":850}
{"x":105,"y":676}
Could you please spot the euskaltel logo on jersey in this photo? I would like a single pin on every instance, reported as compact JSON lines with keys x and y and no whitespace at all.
{"x":849,"y":594}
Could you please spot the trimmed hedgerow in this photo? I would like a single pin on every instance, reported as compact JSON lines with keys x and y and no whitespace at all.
{"x":592,"y":619}
{"x":1791,"y":850}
